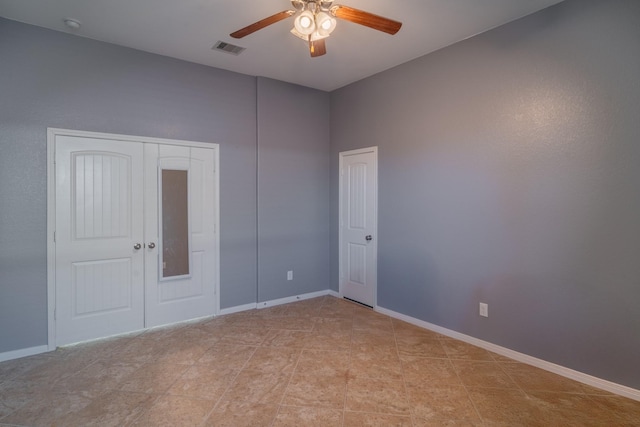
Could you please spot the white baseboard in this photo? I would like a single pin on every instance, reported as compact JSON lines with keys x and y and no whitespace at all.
{"x":274,"y":302}
{"x":280,"y":301}
{"x":167,"y":325}
{"x":334,"y":294}
{"x":24,"y":352}
{"x":520,"y":357}
{"x":237,"y":308}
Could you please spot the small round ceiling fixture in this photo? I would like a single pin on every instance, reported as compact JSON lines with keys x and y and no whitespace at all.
{"x":71,"y":23}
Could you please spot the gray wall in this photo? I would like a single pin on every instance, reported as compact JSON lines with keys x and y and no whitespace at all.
{"x":293,"y":189}
{"x":51,"y":79}
{"x":508,"y":174}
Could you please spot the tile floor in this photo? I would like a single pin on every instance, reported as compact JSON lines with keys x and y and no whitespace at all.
{"x":320,"y":362}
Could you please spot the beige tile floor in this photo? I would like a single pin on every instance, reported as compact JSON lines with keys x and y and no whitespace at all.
{"x":320,"y":362}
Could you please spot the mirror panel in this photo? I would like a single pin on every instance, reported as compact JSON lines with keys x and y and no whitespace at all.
{"x":175,"y":223}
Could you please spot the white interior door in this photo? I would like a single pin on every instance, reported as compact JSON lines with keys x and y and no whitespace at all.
{"x":179,"y":223}
{"x":358,"y":225}
{"x":134,"y":242}
{"x":99,"y":272}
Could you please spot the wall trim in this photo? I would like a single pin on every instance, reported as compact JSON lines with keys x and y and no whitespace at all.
{"x":237,"y":308}
{"x":294,"y":298}
{"x":334,"y":293}
{"x":590,"y":380}
{"x":23,"y":352}
{"x":274,"y":302}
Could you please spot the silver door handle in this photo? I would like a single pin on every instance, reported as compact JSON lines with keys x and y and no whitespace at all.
{"x":152,"y":245}
{"x":137,"y":246}
{"x":368,"y":238}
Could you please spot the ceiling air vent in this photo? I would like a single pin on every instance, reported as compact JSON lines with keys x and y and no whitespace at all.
{"x":228,"y":48}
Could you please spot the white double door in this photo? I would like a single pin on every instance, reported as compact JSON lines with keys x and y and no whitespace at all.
{"x":135,"y":237}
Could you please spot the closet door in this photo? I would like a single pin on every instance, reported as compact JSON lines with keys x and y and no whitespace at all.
{"x":135,"y":238}
{"x":99,"y":237}
{"x":180,"y":267}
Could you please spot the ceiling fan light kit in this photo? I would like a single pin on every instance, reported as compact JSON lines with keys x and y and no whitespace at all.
{"x":304,"y":23}
{"x":315,"y":21}
{"x":315,"y":36}
{"x":325,"y":24}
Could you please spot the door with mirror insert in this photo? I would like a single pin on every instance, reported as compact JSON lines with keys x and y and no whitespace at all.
{"x":135,"y":237}
{"x":179,"y":197}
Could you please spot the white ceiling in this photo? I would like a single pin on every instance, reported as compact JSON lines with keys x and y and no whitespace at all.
{"x":187,"y":29}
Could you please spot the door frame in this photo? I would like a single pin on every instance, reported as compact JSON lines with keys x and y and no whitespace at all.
{"x":342,"y":155}
{"x":52,"y":133}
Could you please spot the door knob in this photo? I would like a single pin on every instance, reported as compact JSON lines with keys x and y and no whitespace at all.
{"x":368,"y":238}
{"x":152,"y":245}
{"x":137,"y":246}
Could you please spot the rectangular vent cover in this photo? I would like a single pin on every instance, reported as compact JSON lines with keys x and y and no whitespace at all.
{"x":228,"y":48}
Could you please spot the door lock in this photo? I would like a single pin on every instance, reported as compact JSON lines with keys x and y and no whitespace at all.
{"x":368,"y":238}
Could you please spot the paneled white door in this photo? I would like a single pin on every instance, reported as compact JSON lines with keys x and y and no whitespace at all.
{"x":135,"y":235}
{"x":99,"y":272}
{"x":358,"y":225}
{"x":179,"y":204}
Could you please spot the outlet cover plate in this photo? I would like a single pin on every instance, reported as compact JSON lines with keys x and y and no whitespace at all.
{"x":484,"y":309}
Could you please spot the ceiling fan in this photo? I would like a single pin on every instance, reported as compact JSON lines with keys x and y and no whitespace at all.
{"x":315,"y":21}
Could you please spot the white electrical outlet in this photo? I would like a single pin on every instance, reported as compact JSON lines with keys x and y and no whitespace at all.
{"x":484,"y":309}
{"x":290,"y":275}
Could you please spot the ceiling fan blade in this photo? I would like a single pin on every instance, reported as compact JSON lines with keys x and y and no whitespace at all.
{"x":249,"y":29}
{"x":317,"y":48}
{"x":367,"y":19}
